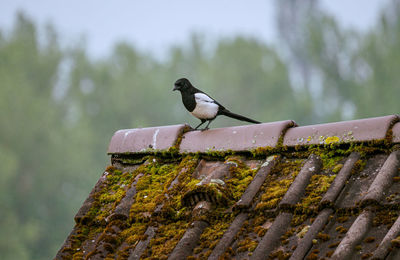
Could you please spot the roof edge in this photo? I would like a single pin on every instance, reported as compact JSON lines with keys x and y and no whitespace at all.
{"x":180,"y":138}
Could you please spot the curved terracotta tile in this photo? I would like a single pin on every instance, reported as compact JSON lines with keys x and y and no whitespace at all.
{"x":228,"y":236}
{"x":384,"y":247}
{"x":297,"y":189}
{"x":237,"y":138}
{"x":189,"y":240}
{"x":145,"y":140}
{"x":396,"y":133}
{"x":339,"y":182}
{"x":306,"y":242}
{"x":383,"y":180}
{"x":354,"y":236}
{"x":258,"y":180}
{"x":271,"y":239}
{"x":341,"y":132}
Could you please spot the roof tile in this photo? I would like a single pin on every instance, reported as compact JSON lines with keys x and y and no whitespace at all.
{"x":189,"y":240}
{"x":237,"y":138}
{"x":341,"y":132}
{"x":272,"y":237}
{"x":228,"y":236}
{"x":338,"y":183}
{"x":88,"y":203}
{"x":383,"y":180}
{"x":359,"y":183}
{"x":142,"y":245}
{"x":145,"y":140}
{"x":296,"y":190}
{"x":123,"y":208}
{"x":354,"y":236}
{"x":306,"y":242}
{"x":396,"y":133}
{"x":384,"y":246}
{"x":291,"y":204}
{"x":257,"y":181}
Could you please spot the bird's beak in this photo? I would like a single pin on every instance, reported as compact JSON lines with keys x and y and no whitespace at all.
{"x":175,"y":88}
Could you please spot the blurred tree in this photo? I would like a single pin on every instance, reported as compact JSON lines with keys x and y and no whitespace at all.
{"x":344,"y":73}
{"x":40,"y":172}
{"x":292,"y":20}
{"x":376,"y":66}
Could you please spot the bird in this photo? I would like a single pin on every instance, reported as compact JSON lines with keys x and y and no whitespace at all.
{"x":202,"y":106}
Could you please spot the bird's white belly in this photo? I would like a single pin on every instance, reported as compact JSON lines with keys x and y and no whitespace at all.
{"x":205,"y":110}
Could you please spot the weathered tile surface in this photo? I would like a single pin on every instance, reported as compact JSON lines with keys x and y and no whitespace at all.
{"x":144,"y":140}
{"x":341,"y":132}
{"x":238,"y":138}
{"x":309,"y":203}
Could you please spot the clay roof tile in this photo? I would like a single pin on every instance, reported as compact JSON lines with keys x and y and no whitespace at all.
{"x":318,"y":201}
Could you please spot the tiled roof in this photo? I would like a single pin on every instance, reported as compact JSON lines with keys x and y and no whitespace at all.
{"x":274,"y":190}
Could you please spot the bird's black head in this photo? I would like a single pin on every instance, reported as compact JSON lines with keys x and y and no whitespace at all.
{"x":182,"y":84}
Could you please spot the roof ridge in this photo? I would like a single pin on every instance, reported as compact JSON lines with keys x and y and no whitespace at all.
{"x":178,"y":138}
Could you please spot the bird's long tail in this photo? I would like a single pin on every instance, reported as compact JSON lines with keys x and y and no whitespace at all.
{"x":236,"y":116}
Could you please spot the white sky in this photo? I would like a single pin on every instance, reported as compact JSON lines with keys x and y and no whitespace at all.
{"x":155,"y":25}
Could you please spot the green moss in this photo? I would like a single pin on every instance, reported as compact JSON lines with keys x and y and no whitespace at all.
{"x":342,"y":219}
{"x":369,"y":239}
{"x":385,"y":217}
{"x":298,"y":219}
{"x":260,"y":231}
{"x":303,"y":231}
{"x":280,"y":255}
{"x":396,"y":179}
{"x":324,"y":237}
{"x":317,"y":187}
{"x":134,"y":233}
{"x":277,"y":183}
{"x":396,"y":242}
{"x":312,"y":256}
{"x":174,"y":217}
{"x":166,"y":238}
{"x":337,"y":168}
{"x":160,"y":204}
{"x":211,"y":236}
{"x":288,"y":234}
{"x":334,"y":244}
{"x":246,"y":245}
{"x":113,"y":190}
{"x":341,"y":229}
{"x":241,"y":177}
{"x":273,"y":195}
{"x":77,"y":256}
{"x":150,"y":189}
{"x":366,"y":255}
{"x":264,"y":151}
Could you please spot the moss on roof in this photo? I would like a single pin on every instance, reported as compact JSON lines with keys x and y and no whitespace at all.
{"x":166,"y":188}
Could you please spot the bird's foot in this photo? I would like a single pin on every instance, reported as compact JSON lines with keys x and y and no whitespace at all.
{"x":204,"y":129}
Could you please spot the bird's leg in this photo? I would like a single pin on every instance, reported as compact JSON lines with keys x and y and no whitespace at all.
{"x":206,"y":128}
{"x":202,"y":122}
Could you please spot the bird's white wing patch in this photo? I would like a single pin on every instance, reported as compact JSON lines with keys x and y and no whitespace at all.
{"x":200,"y":97}
{"x":206,"y":108}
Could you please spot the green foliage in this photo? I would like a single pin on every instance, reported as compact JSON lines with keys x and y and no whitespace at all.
{"x":59,"y":107}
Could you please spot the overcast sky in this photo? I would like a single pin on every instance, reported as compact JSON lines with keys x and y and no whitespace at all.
{"x":154,"y":25}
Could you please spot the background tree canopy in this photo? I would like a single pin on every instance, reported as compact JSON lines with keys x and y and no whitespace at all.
{"x":59,"y":107}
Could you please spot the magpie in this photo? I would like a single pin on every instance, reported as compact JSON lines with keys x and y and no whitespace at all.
{"x":202,"y":106}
